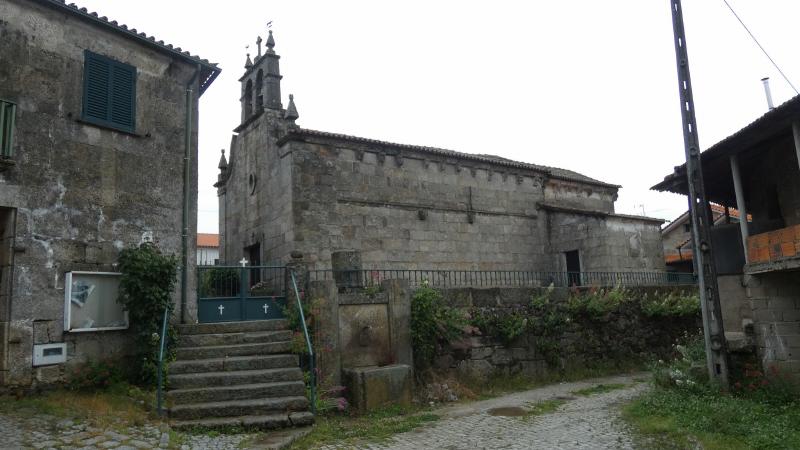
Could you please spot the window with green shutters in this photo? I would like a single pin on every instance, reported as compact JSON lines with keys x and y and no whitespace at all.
{"x":8,"y":111}
{"x":109,"y":92}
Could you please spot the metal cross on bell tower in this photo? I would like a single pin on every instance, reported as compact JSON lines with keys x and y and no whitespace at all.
{"x":700,"y":213}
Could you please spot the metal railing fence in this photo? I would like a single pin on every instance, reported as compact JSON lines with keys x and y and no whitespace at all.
{"x":500,"y":278}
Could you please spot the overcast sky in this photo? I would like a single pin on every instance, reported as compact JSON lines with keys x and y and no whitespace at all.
{"x":585,"y":85}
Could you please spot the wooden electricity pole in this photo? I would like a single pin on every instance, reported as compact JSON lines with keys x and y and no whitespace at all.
{"x":700,"y":213}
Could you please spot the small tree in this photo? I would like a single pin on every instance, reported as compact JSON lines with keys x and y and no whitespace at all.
{"x":145,"y":291}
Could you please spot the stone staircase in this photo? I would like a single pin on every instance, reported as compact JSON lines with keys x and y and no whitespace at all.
{"x":237,"y":374}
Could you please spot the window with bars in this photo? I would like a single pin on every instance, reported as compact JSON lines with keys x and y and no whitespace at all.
{"x":109,"y":92}
{"x":8,"y":112}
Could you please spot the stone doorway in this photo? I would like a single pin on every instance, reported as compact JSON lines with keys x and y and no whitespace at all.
{"x":7,"y":220}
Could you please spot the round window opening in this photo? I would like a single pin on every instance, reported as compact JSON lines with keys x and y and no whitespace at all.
{"x":251,"y":182}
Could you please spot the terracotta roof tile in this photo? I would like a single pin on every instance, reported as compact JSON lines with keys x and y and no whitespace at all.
{"x":207,"y":240}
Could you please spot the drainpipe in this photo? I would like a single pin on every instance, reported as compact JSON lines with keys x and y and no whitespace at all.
{"x":186,"y":177}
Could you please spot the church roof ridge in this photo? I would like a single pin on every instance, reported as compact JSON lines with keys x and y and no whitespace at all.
{"x":554,"y":172}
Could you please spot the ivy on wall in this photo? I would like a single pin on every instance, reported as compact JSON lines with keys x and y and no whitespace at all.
{"x":145,"y":291}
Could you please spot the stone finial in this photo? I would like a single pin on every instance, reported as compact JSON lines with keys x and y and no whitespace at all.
{"x":258,"y":43}
{"x":223,"y":163}
{"x":270,"y":43}
{"x":248,"y":64}
{"x":291,"y":110}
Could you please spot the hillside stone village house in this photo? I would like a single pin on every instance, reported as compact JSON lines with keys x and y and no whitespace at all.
{"x":285,"y":189}
{"x":96,"y":119}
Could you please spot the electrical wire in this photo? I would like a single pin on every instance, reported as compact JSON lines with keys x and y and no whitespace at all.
{"x":760,"y":46}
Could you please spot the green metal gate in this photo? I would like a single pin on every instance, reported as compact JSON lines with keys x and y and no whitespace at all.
{"x":230,"y":293}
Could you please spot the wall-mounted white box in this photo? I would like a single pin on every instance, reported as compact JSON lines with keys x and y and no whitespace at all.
{"x":46,"y":354}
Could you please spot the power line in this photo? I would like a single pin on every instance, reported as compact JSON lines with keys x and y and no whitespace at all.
{"x":760,"y":46}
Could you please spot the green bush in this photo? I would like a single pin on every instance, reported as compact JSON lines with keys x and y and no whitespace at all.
{"x":145,"y":291}
{"x":432,"y":325}
{"x":672,"y":304}
{"x":95,"y":375}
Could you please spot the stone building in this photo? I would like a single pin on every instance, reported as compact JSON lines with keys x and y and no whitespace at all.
{"x":756,"y":169}
{"x":96,"y":119}
{"x":287,"y":189}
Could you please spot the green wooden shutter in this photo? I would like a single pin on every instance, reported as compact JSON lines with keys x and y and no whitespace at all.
{"x":123,"y":95}
{"x":109,"y":96}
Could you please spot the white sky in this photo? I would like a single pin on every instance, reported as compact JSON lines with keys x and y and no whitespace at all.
{"x":585,"y":85}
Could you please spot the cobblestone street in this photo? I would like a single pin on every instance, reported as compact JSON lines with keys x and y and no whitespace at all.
{"x":46,"y":432}
{"x":590,"y":422}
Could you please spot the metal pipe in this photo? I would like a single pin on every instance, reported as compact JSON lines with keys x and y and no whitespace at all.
{"x":188,"y":130}
{"x":768,"y":93}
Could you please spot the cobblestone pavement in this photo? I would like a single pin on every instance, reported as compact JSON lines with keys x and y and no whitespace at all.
{"x":590,"y":422}
{"x":47,"y":432}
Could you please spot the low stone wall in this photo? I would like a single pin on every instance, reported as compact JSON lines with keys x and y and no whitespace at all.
{"x":584,"y":339}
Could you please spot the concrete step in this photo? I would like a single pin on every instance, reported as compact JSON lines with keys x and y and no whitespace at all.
{"x":203,"y":340}
{"x":233,"y":378}
{"x":237,"y":392}
{"x":233,"y":327}
{"x":260,"y":422}
{"x":233,"y":363}
{"x":220,"y":351}
{"x":236,"y":408}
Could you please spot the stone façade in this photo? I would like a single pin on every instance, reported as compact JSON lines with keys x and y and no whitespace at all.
{"x":76,"y":193}
{"x":286,"y":189}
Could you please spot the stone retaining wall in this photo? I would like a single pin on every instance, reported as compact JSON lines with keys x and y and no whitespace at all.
{"x":619,"y":337}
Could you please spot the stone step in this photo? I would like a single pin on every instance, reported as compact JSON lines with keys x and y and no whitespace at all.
{"x":233,"y":363}
{"x":237,"y":408}
{"x":237,"y":392}
{"x":203,"y":340}
{"x":260,"y":422}
{"x":220,"y":351}
{"x":233,"y":378}
{"x":233,"y":327}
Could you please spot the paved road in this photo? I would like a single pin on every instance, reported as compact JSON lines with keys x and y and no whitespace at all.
{"x":590,"y":422}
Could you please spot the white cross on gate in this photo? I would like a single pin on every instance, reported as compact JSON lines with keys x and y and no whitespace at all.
{"x":220,"y":308}
{"x":243,"y":262}
{"x":265,"y":308}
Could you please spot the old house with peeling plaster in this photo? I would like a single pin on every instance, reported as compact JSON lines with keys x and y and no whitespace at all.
{"x":285,"y":189}
{"x":98,"y":133}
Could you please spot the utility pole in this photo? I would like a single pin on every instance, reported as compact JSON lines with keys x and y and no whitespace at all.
{"x":700,"y":213}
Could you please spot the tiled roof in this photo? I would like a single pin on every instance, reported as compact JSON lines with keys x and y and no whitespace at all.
{"x":554,"y":172}
{"x":207,"y":240}
{"x":209,"y":71}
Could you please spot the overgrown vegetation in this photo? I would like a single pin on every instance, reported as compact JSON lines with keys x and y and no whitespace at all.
{"x":602,"y":321}
{"x":145,"y":291}
{"x":541,"y":408}
{"x":433,"y":324}
{"x":377,"y":426}
{"x":760,"y":411}
{"x":598,"y":389}
{"x":117,"y":405}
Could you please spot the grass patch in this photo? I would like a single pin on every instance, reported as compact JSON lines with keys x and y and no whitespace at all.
{"x":498,"y":385}
{"x":118,"y":405}
{"x":599,"y":389}
{"x":542,"y":408}
{"x":373,"y":427}
{"x":676,"y":418}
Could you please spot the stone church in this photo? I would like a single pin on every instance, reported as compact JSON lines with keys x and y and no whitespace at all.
{"x":285,"y":189}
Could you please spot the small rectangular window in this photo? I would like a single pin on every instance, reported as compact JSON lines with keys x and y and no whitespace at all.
{"x":7,"y":112}
{"x":109,"y":92}
{"x":90,"y":302}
